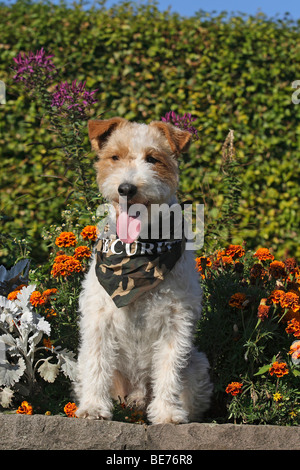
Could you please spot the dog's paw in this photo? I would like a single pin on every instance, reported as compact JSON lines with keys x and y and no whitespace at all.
{"x":161,"y":413}
{"x":136,"y":399}
{"x":93,"y":413}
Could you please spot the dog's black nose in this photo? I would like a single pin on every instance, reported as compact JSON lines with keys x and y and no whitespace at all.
{"x":127,"y":189}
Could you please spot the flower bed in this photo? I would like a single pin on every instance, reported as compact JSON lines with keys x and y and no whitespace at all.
{"x":250,"y":330}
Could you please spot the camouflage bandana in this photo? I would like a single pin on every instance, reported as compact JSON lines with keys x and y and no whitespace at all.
{"x":127,"y":270}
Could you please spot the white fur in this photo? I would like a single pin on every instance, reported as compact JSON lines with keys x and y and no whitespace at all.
{"x":145,"y":350}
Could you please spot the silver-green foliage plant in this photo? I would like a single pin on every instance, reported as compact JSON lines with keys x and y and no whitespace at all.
{"x":22,"y":353}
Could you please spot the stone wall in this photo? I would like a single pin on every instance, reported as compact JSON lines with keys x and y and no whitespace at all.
{"x":38,"y":432}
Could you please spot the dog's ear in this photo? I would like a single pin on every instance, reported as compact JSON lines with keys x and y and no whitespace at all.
{"x":178,"y":139}
{"x":100,"y":130}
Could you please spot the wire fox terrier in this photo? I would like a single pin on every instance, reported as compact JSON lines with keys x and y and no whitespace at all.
{"x":141,"y":297}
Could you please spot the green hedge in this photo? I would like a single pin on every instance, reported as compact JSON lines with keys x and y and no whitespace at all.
{"x":231,"y":72}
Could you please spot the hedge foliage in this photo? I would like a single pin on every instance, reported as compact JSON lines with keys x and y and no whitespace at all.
{"x":231,"y":72}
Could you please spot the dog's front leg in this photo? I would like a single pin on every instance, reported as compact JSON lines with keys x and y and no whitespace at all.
{"x":170,"y":356}
{"x":95,"y":372}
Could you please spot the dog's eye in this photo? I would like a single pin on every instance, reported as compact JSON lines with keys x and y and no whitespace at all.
{"x":115,"y":157}
{"x":150,"y":159}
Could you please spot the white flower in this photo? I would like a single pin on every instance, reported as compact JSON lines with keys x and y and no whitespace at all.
{"x":23,"y":330}
{"x":6,"y":395}
{"x":49,"y":371}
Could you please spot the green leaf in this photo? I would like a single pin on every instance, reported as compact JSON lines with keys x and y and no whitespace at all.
{"x":263,"y":369}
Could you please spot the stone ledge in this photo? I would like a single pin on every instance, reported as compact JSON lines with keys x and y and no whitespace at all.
{"x":38,"y":432}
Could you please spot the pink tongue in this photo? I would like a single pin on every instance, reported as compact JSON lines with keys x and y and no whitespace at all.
{"x":128,"y":227}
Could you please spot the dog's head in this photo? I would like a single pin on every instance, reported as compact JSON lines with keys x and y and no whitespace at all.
{"x":138,"y":161}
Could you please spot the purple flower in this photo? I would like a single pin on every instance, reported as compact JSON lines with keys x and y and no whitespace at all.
{"x":73,"y":96}
{"x":183,"y":122}
{"x":32,"y":67}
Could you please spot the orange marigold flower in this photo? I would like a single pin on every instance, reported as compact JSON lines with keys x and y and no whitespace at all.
{"x":48,"y":292}
{"x":60,"y":258}
{"x":70,"y":410}
{"x":235,"y":251}
{"x":37,"y":298}
{"x":25,"y":409}
{"x":225,"y":256}
{"x":220,"y":254}
{"x":263,"y":311}
{"x":20,"y":287}
{"x":293,"y":327}
{"x":237,"y":300}
{"x":279,"y":369}
{"x":89,"y":233}
{"x":50,"y":312}
{"x":263,"y":254}
{"x":73,"y":265}
{"x":203,"y":261}
{"x":234,"y":388}
{"x":65,"y":265}
{"x":295,"y":350}
{"x":291,"y":300}
{"x":66,"y":239}
{"x":47,"y":343}
{"x":276,"y":296}
{"x":13,"y":295}
{"x":201,"y":264}
{"x":277,"y":269}
{"x":46,"y":295}
{"x":82,"y":252}
{"x":59,"y":269}
{"x":227,"y":260}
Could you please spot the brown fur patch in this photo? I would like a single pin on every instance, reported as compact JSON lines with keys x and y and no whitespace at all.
{"x":166,"y":167}
{"x":178,"y":139}
{"x":105,"y":165}
{"x":100,"y":130}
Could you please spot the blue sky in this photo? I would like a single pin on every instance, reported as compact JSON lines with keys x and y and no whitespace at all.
{"x":269,"y":7}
